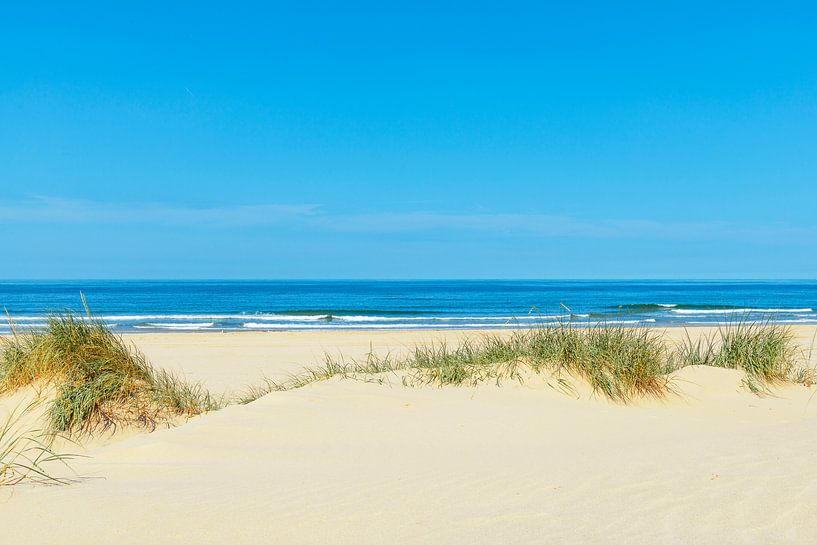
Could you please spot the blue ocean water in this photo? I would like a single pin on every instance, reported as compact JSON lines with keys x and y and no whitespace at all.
{"x":151,"y":306}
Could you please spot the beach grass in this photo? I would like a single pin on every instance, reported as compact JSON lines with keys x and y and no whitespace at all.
{"x":765,"y":351}
{"x":332,"y":366}
{"x":100,"y":380}
{"x":619,"y":362}
{"x":26,"y":453}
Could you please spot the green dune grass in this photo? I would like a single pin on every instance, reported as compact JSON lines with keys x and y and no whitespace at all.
{"x":620,"y":363}
{"x":26,"y":453}
{"x":766,"y":352}
{"x":99,"y":379}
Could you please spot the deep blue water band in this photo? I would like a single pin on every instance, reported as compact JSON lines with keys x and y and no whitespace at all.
{"x":270,"y":305}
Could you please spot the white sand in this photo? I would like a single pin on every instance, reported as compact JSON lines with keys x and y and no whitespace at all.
{"x":353,"y":462}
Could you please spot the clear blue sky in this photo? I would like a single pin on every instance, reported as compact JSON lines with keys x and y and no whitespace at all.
{"x":473,"y":140}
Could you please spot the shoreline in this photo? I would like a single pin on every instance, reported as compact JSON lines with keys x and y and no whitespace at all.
{"x":363,"y":330}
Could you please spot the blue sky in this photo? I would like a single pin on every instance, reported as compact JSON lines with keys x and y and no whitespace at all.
{"x":360,"y":140}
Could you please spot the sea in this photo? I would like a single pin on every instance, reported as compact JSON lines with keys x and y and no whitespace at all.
{"x":144,"y":306}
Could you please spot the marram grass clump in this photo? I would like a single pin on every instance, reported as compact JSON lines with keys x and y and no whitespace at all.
{"x":620,"y":363}
{"x":766,"y":352}
{"x":100,"y":381}
{"x":762,"y":351}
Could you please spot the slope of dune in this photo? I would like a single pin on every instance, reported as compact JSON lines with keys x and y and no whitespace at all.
{"x":352,"y":461}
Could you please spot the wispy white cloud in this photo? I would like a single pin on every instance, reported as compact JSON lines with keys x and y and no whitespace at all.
{"x":50,"y":210}
{"x":57,"y":210}
{"x":548,"y":225}
{"x":544,"y":225}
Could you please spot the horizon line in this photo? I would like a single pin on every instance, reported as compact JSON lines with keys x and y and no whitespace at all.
{"x":400,"y":279}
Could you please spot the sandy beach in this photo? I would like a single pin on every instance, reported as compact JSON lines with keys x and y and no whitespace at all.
{"x":417,"y":273}
{"x":363,"y":461}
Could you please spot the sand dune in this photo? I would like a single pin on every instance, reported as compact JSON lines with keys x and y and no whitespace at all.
{"x":349,"y":461}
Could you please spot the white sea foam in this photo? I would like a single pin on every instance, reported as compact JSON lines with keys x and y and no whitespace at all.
{"x":691,"y":311}
{"x":147,"y":319}
{"x":278,"y":321}
{"x":425,"y":325}
{"x":783,"y":310}
{"x":468,"y":325}
{"x":329,"y":318}
{"x":261,"y":317}
{"x":176,"y":325}
{"x":344,"y":318}
{"x":798,"y":321}
{"x":625,"y":322}
{"x":791,"y":321}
